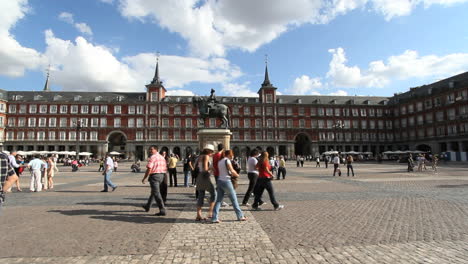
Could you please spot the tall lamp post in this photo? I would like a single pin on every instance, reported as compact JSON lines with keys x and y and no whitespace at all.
{"x":78,"y":128}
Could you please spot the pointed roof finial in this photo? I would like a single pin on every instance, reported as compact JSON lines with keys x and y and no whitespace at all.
{"x":266,"y":82}
{"x":46,"y":86}
{"x":156,"y":79}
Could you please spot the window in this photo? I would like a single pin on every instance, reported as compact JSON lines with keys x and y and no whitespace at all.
{"x":313,"y":111}
{"x":270,"y":123}
{"x":131,"y":122}
{"x":33,"y":109}
{"x":74,"y":109}
{"x":258,"y":111}
{"x":258,"y":123}
{"x":117,"y":109}
{"x":379,"y":112}
{"x":165,"y":122}
{"x":103,"y":122}
{"x":388,"y":124}
{"x":10,"y":135}
{"x":64,"y":109}
{"x":280,"y":111}
{"x":139,"y":135}
{"x":51,"y":135}
{"x":404,"y":122}
{"x":321,"y":123}
{"x":165,"y":110}
{"x":117,"y":122}
{"x":363,"y":112}
{"x":451,"y":114}
{"x":410,"y":108}
{"x":188,"y":110}
{"x":302,"y":123}
{"x":20,"y":135}
{"x":270,"y":135}
{"x":62,"y":135}
{"x":269,"y":98}
{"x":321,"y":112}
{"x":411,"y":121}
{"x":450,"y":98}
{"x":235,"y":122}
{"x":93,"y":135}
{"x":329,"y":111}
{"x":43,"y":109}
{"x":177,"y":122}
{"x":103,"y":109}
{"x":30,"y":134}
{"x":363,"y":124}
{"x":154,"y":96}
{"x":371,"y":112}
{"x":131,"y":109}
{"x":140,"y":109}
{"x":11,"y":122}
{"x":440,"y":116}
{"x":40,"y":135}
{"x":371,"y":124}
{"x":247,"y":110}
{"x":289,"y":123}
{"x":289,"y":111}
{"x":176,"y":135}
{"x":153,"y":109}
{"x":95,"y":109}
{"x":246,"y":123}
{"x":420,"y":120}
{"x":269,"y":111}
{"x":188,"y":135}
{"x":188,"y":122}
{"x":152,"y":135}
{"x":337,"y":111}
{"x":403,"y":110}
{"x":282,"y":135}
{"x":31,"y":122}
{"x":72,"y":135}
{"x":282,"y":123}
{"x":164,"y":135}
{"x":212,"y":122}
{"x":246,"y":135}
{"x":63,"y":122}
{"x":95,"y":122}
{"x":153,"y":122}
{"x":301,"y":111}
{"x":85,"y":109}
{"x":258,"y":135}
{"x":355,"y":112}
{"x":22,"y":109}
{"x":52,"y":122}
{"x":177,"y":110}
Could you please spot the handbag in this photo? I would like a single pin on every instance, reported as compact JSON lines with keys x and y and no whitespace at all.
{"x":234,"y":181}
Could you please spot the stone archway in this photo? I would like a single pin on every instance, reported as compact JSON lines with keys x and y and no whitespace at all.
{"x":271,"y":151}
{"x":188,"y":150}
{"x":176,"y":150}
{"x":164,"y":149}
{"x":236,"y":151}
{"x":117,"y":141}
{"x":302,"y":145}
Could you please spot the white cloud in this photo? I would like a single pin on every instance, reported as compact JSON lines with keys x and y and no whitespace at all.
{"x":14,"y":58}
{"x":306,"y":85}
{"x":179,"y":92}
{"x":400,"y":67}
{"x":66,"y":17}
{"x":339,"y":93}
{"x":83,"y":28}
{"x":236,"y":89}
{"x":212,"y":26}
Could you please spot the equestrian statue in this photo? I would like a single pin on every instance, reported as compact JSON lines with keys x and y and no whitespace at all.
{"x":210,"y":108}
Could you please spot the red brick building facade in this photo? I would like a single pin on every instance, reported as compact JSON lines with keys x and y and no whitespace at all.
{"x":431,"y":117}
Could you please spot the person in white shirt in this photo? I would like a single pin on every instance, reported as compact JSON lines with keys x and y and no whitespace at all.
{"x":336,"y":165}
{"x":35,"y":166}
{"x":109,"y":164}
{"x":252,"y":174}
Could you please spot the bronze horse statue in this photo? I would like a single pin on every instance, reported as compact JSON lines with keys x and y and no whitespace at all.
{"x":211,"y":109}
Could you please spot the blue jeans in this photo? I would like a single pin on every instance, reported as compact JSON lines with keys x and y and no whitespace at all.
{"x":226,"y":187}
{"x":187,"y":175}
{"x":107,"y":180}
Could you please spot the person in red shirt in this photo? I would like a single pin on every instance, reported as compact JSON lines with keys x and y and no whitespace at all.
{"x":216,"y":159}
{"x":264,"y":182}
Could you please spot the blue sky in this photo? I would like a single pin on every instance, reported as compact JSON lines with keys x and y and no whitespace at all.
{"x":344,"y":47}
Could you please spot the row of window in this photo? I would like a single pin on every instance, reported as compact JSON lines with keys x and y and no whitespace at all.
{"x":430,"y":103}
{"x":428,"y":118}
{"x":438,"y":131}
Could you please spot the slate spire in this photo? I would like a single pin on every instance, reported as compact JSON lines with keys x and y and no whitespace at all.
{"x":266,"y":82}
{"x":156,"y":80}
{"x":46,"y":86}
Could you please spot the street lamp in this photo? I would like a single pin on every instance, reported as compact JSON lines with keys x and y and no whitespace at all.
{"x":336,"y":126}
{"x":78,"y":128}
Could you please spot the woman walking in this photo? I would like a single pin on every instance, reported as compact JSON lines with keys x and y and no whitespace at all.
{"x":264,"y":182}
{"x":226,"y":174}
{"x":205,"y":182}
{"x":188,"y":168}
{"x":51,"y":167}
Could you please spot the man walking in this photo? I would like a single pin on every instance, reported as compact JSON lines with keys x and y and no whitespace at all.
{"x":252,"y":174}
{"x":281,"y":168}
{"x":36,"y":166}
{"x":172,"y":168}
{"x":109,"y":168}
{"x":336,"y":165}
{"x":156,"y":170}
{"x":349,"y":164}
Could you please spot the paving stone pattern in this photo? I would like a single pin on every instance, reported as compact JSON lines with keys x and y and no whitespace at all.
{"x":384,"y":215}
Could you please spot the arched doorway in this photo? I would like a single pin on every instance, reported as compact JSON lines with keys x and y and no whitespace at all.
{"x":188,"y":150}
{"x":164,"y":149}
{"x":302,"y":145}
{"x":117,"y":141}
{"x":236,"y":151}
{"x":176,"y":150}
{"x":424,"y":147}
{"x":271,"y":151}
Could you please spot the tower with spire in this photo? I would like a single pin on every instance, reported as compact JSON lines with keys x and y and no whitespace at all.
{"x":46,"y":85}
{"x":155,"y":90}
{"x":267,"y":92}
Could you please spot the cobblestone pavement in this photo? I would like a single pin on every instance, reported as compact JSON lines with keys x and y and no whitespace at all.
{"x":383,"y":215}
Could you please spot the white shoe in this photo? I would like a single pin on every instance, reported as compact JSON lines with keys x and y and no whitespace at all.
{"x":279,"y":207}
{"x":224,"y":204}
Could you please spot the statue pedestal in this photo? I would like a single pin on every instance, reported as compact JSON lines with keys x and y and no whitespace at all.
{"x":214,"y":136}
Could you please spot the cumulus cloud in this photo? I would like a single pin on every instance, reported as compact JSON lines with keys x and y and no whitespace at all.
{"x":339,"y":93}
{"x":179,"y":92}
{"x":306,"y":85}
{"x":407,"y":65}
{"x":236,"y":89}
{"x":210,"y":27}
{"x":14,"y":58}
{"x":81,"y":27}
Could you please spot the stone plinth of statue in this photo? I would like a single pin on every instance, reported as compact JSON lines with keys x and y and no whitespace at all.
{"x":214,"y":136}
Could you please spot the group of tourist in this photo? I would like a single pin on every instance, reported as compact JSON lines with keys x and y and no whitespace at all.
{"x":215,"y":173}
{"x":420,"y":161}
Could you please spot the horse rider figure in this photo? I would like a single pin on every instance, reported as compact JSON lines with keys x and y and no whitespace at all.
{"x":211,"y":101}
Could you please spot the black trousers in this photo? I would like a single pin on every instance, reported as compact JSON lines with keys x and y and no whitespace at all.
{"x":173,"y":174}
{"x":262,"y":184}
{"x":155,"y":181}
{"x":336,"y":167}
{"x":163,"y":188}
{"x":252,"y":182}
{"x":281,"y":170}
{"x":350,"y":166}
